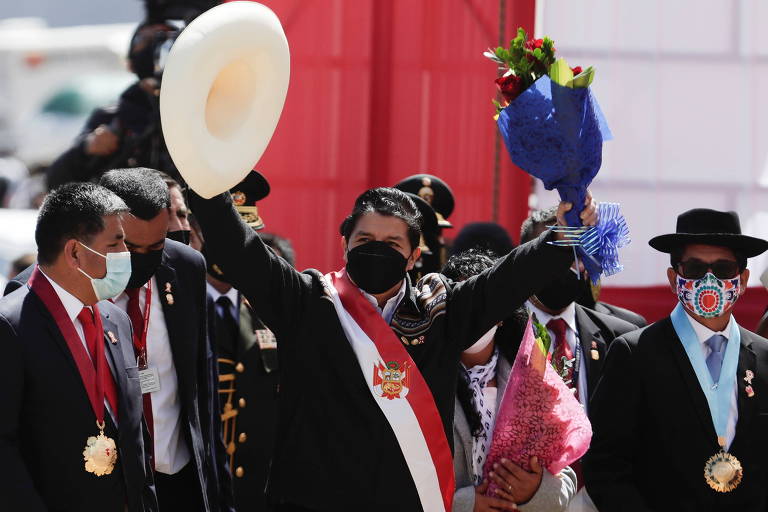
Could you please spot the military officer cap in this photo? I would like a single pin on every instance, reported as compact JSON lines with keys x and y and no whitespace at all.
{"x":245,"y":194}
{"x":429,"y":221}
{"x":434,"y":191}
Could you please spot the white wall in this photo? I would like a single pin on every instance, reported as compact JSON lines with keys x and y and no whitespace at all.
{"x":681,"y":83}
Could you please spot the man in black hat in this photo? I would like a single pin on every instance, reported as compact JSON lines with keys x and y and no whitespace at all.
{"x":679,"y":416}
{"x":438,"y":196}
{"x":248,"y":367}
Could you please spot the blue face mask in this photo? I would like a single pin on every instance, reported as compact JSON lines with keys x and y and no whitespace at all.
{"x":115,"y":280}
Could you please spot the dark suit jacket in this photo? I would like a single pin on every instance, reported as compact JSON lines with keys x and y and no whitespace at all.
{"x":602,"y":330}
{"x":47,"y":417}
{"x":621,"y":313}
{"x":251,"y":432}
{"x":182,"y":271}
{"x":653,"y":432}
{"x":335,"y":449}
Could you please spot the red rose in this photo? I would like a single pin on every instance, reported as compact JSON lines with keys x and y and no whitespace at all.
{"x":576,"y":70}
{"x":532,"y":44}
{"x":510,"y":86}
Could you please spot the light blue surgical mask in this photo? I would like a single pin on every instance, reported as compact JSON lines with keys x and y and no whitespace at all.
{"x":118,"y":273}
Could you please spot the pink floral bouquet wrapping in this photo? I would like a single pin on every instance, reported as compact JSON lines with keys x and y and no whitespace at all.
{"x":538,"y":415}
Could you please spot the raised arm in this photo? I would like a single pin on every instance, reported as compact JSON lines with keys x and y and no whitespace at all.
{"x":275,"y":290}
{"x":16,"y":485}
{"x":480,"y":302}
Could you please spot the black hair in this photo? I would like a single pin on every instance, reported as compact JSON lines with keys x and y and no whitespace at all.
{"x":142,"y":189}
{"x":676,"y":257}
{"x":280,"y":244}
{"x":483,"y":235}
{"x":21,"y":263}
{"x":169,"y":181}
{"x":74,"y":210}
{"x":466,"y":264}
{"x":535,"y":221}
{"x":386,"y":201}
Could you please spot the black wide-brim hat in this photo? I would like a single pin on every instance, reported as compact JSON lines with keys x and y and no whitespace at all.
{"x":709,"y":227}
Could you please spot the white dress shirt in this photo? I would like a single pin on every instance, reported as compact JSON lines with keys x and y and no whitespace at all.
{"x":171,"y":450}
{"x":704,"y":333}
{"x":571,"y":336}
{"x":231,"y":295}
{"x":388,"y":311}
{"x":73,"y":307}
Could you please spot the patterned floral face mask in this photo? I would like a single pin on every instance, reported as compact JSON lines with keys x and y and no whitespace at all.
{"x":708,"y":297}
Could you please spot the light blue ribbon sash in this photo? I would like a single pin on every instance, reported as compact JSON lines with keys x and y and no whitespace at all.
{"x":719,"y":394}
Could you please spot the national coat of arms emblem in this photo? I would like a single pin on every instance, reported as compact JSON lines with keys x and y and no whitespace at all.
{"x":391,"y":381}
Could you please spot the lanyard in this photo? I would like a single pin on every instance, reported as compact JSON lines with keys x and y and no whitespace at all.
{"x":140,"y":340}
{"x":719,"y":393}
{"x":93,"y":380}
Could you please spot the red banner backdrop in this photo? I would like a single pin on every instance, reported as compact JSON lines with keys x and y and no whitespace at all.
{"x":380,"y":90}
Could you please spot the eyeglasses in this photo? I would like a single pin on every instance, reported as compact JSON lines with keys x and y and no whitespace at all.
{"x":696,"y":269}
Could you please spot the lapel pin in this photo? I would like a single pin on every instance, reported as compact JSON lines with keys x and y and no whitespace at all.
{"x":404,"y":340}
{"x":748,"y":376}
{"x":594,"y":352}
{"x":167,"y":287}
{"x":750,"y":392}
{"x":169,"y":299}
{"x":112,"y":337}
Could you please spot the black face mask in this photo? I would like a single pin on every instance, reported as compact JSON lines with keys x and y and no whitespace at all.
{"x":181,"y":236}
{"x":375,"y":266}
{"x":143,"y":267}
{"x":558,"y":294}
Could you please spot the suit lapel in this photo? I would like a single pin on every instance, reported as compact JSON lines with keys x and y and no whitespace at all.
{"x":183,"y":342}
{"x":53,"y":329}
{"x":746,"y":404}
{"x":688,"y":376}
{"x":589,"y":333}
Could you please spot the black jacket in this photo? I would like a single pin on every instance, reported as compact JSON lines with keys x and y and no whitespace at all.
{"x":335,"y":450}
{"x":47,"y":417}
{"x":181,"y":286}
{"x":621,"y":313}
{"x":653,"y":432}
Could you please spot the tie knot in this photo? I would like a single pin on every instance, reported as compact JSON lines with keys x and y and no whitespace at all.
{"x":85,"y":316}
{"x":716,"y":343}
{"x":558,"y":326}
{"x":223,"y":301}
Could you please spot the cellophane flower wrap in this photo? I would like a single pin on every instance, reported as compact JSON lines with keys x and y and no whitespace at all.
{"x":553,"y":129}
{"x":538,"y":415}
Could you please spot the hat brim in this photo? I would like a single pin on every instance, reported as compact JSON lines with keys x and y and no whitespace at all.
{"x":747,"y":245}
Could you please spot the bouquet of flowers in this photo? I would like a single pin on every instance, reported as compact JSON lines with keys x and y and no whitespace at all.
{"x":554,"y":130}
{"x":538,"y":414}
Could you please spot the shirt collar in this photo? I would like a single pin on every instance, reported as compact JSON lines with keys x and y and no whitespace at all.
{"x":391,"y":303}
{"x":569,"y":315}
{"x":72,"y":305}
{"x":215,"y":294}
{"x":704,"y":333}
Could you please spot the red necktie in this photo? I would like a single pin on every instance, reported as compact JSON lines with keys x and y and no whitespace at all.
{"x":564,"y":363}
{"x":91,"y":339}
{"x":137,"y":321}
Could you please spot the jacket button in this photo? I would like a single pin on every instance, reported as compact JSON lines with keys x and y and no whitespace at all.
{"x":240,"y":368}
{"x":239,"y":472}
{"x":242,"y":437}
{"x":241,"y":403}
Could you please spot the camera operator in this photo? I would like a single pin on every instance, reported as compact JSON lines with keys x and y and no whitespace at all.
{"x":128,"y":134}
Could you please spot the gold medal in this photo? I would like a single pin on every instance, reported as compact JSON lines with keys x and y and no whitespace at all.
{"x":723,"y":472}
{"x":100,"y":453}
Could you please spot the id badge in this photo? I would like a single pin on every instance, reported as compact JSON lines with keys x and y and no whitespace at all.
{"x":149,"y":380}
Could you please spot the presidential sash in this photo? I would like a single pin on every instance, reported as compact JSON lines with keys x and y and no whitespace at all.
{"x":399,"y":389}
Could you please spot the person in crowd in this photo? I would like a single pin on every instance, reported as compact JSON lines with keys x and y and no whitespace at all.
{"x":368,"y":360}
{"x":248,"y":366}
{"x":71,"y":438}
{"x":437,"y":194}
{"x":21,"y":263}
{"x":483,"y":376}
{"x":178,"y":221}
{"x":678,"y":416}
{"x":129,"y":134}
{"x":538,"y":222}
{"x":580,"y":336}
{"x":483,"y":235}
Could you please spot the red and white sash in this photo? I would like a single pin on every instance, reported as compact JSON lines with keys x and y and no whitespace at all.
{"x":399,"y":389}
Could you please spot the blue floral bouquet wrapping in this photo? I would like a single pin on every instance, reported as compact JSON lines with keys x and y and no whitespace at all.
{"x":554,"y":130}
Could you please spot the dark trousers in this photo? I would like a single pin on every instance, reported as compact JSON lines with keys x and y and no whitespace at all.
{"x":180,"y":492}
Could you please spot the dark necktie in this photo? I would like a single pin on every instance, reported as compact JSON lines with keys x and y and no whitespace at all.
{"x":226,"y":328}
{"x":92,"y":337}
{"x":137,"y":321}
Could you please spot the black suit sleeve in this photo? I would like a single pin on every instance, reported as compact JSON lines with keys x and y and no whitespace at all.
{"x":480,"y":302}
{"x":609,"y":463}
{"x":16,"y":487}
{"x":275,"y":290}
{"x":11,"y":285}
